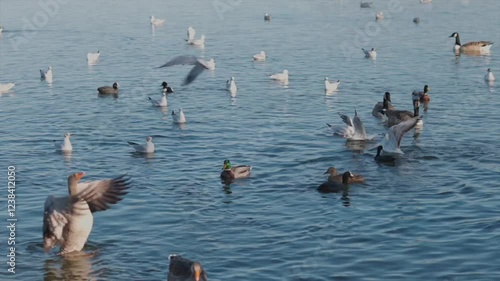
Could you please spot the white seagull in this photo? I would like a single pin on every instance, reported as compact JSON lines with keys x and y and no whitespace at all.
{"x":210,"y":64}
{"x":68,"y":220}
{"x":379,"y":16}
{"x":260,"y":56}
{"x":148,"y":148}
{"x":4,"y":88}
{"x":160,"y":103}
{"x":355,"y":129}
{"x":370,"y":54}
{"x":280,"y":76}
{"x":156,"y":22}
{"x":231,"y":86}
{"x":489,"y":77}
{"x":65,"y":145}
{"x":178,"y":117}
{"x":331,"y":86}
{"x":93,"y":57}
{"x":199,"y":66}
{"x":46,"y":75}
{"x":198,"y":42}
{"x":392,"y":139}
{"x":190,"y":34}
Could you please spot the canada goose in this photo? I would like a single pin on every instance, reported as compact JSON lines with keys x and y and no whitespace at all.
{"x":383,"y":158}
{"x":181,"y":269}
{"x":64,"y":145}
{"x":471,"y":47}
{"x":379,"y":106}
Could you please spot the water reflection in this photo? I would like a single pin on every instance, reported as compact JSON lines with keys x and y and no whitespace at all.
{"x":75,"y":267}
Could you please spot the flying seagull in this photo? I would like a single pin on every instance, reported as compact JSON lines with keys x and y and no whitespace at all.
{"x":199,"y":66}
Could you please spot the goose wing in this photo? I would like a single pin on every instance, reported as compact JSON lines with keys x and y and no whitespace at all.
{"x":477,"y":43}
{"x":100,"y":194}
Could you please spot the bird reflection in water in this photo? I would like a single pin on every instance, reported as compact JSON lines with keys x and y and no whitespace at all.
{"x":74,"y":267}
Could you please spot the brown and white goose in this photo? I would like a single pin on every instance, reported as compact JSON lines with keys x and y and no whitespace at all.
{"x":470,"y":47}
{"x":68,"y":220}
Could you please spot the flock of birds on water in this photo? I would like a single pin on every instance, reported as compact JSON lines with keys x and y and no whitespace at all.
{"x":68,"y":220}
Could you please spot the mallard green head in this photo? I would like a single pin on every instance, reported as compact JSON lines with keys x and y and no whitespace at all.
{"x":227,"y":165}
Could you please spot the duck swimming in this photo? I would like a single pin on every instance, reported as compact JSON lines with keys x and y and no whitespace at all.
{"x":334,"y":177}
{"x":237,"y":172}
{"x":333,"y":186}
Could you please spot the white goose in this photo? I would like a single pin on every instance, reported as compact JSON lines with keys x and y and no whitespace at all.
{"x":481,"y":47}
{"x":331,"y":86}
{"x":156,"y":22}
{"x":4,"y":88}
{"x":68,"y":220}
{"x":65,"y":145}
{"x":93,"y":57}
{"x":392,"y":139}
{"x":148,"y":148}
{"x":370,"y":54}
{"x":159,"y":103}
{"x":231,"y":86}
{"x":260,"y":56}
{"x":46,"y":75}
{"x":489,"y":77}
{"x":178,"y":117}
{"x":280,"y":76}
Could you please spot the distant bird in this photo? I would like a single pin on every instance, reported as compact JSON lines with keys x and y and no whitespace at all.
{"x":198,"y":42}
{"x":489,"y":77}
{"x":425,"y":1}
{"x":148,"y":148}
{"x":334,"y":187}
{"x":178,"y":117}
{"x":379,"y":106}
{"x":65,"y":145}
{"x":181,"y":269}
{"x":379,"y":16}
{"x":237,"y":172}
{"x":280,"y":76}
{"x":387,"y":158}
{"x":365,"y":4}
{"x":156,"y":22}
{"x":165,"y":88}
{"x":370,"y":54}
{"x":4,"y":88}
{"x":231,"y":86}
{"x":67,"y":220}
{"x":260,"y":56}
{"x":93,"y":57}
{"x":210,"y":64}
{"x":1,"y":29}
{"x":107,"y":90}
{"x":392,"y":139}
{"x":160,"y":103}
{"x":199,"y":66}
{"x":416,"y":20}
{"x":190,"y":34}
{"x":421,"y":96}
{"x":46,"y":75}
{"x":470,"y":47}
{"x":267,"y":17}
{"x":331,"y":86}
{"x":334,"y":177}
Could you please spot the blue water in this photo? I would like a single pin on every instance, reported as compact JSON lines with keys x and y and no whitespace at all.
{"x":433,"y":216}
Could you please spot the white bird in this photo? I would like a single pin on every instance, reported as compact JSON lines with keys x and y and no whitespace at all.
{"x":46,"y":75}
{"x":148,"y":148}
{"x":280,"y":76}
{"x":210,"y":64}
{"x":190,"y":34}
{"x":489,"y":77}
{"x":198,"y":42}
{"x":4,"y":88}
{"x":156,"y":22}
{"x":68,"y":220}
{"x":370,"y":54}
{"x":92,"y":57}
{"x":199,"y":66}
{"x":379,"y":16}
{"x":260,"y":56}
{"x":331,"y":86}
{"x":1,"y":29}
{"x":178,"y":117}
{"x":355,"y":129}
{"x":231,"y":86}
{"x":65,"y":145}
{"x":425,"y":1}
{"x":160,"y":103}
{"x":392,"y":139}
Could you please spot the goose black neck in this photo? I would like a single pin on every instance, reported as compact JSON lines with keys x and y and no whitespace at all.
{"x":416,"y":109}
{"x":457,"y":40}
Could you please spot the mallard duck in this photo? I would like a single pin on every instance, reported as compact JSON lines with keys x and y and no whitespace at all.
{"x":489,"y":77}
{"x":395,"y":117}
{"x":148,"y":148}
{"x":280,"y":76}
{"x":370,"y":54}
{"x":383,"y":158}
{"x":67,"y":221}
{"x":181,"y":269}
{"x":260,"y":56}
{"x":334,"y":177}
{"x":236,"y":172}
{"x":107,"y":90}
{"x":472,"y":47}
{"x":64,"y":145}
{"x":165,"y":88}
{"x":422,"y":96}
{"x":331,"y":86}
{"x":379,"y":106}
{"x":333,"y":186}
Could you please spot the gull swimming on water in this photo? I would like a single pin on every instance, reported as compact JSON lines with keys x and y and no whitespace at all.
{"x":210,"y":64}
{"x":370,"y":54}
{"x":64,"y":145}
{"x":260,"y":56}
{"x":190,"y":34}
{"x":231,"y":86}
{"x":46,"y":75}
{"x":160,"y":103}
{"x":68,"y":220}
{"x":489,"y":77}
{"x":331,"y":86}
{"x":6,"y":87}
{"x":156,"y":22}
{"x":280,"y":76}
{"x":355,"y":129}
{"x":178,"y":117}
{"x":199,"y":66}
{"x":198,"y":42}
{"x":148,"y":148}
